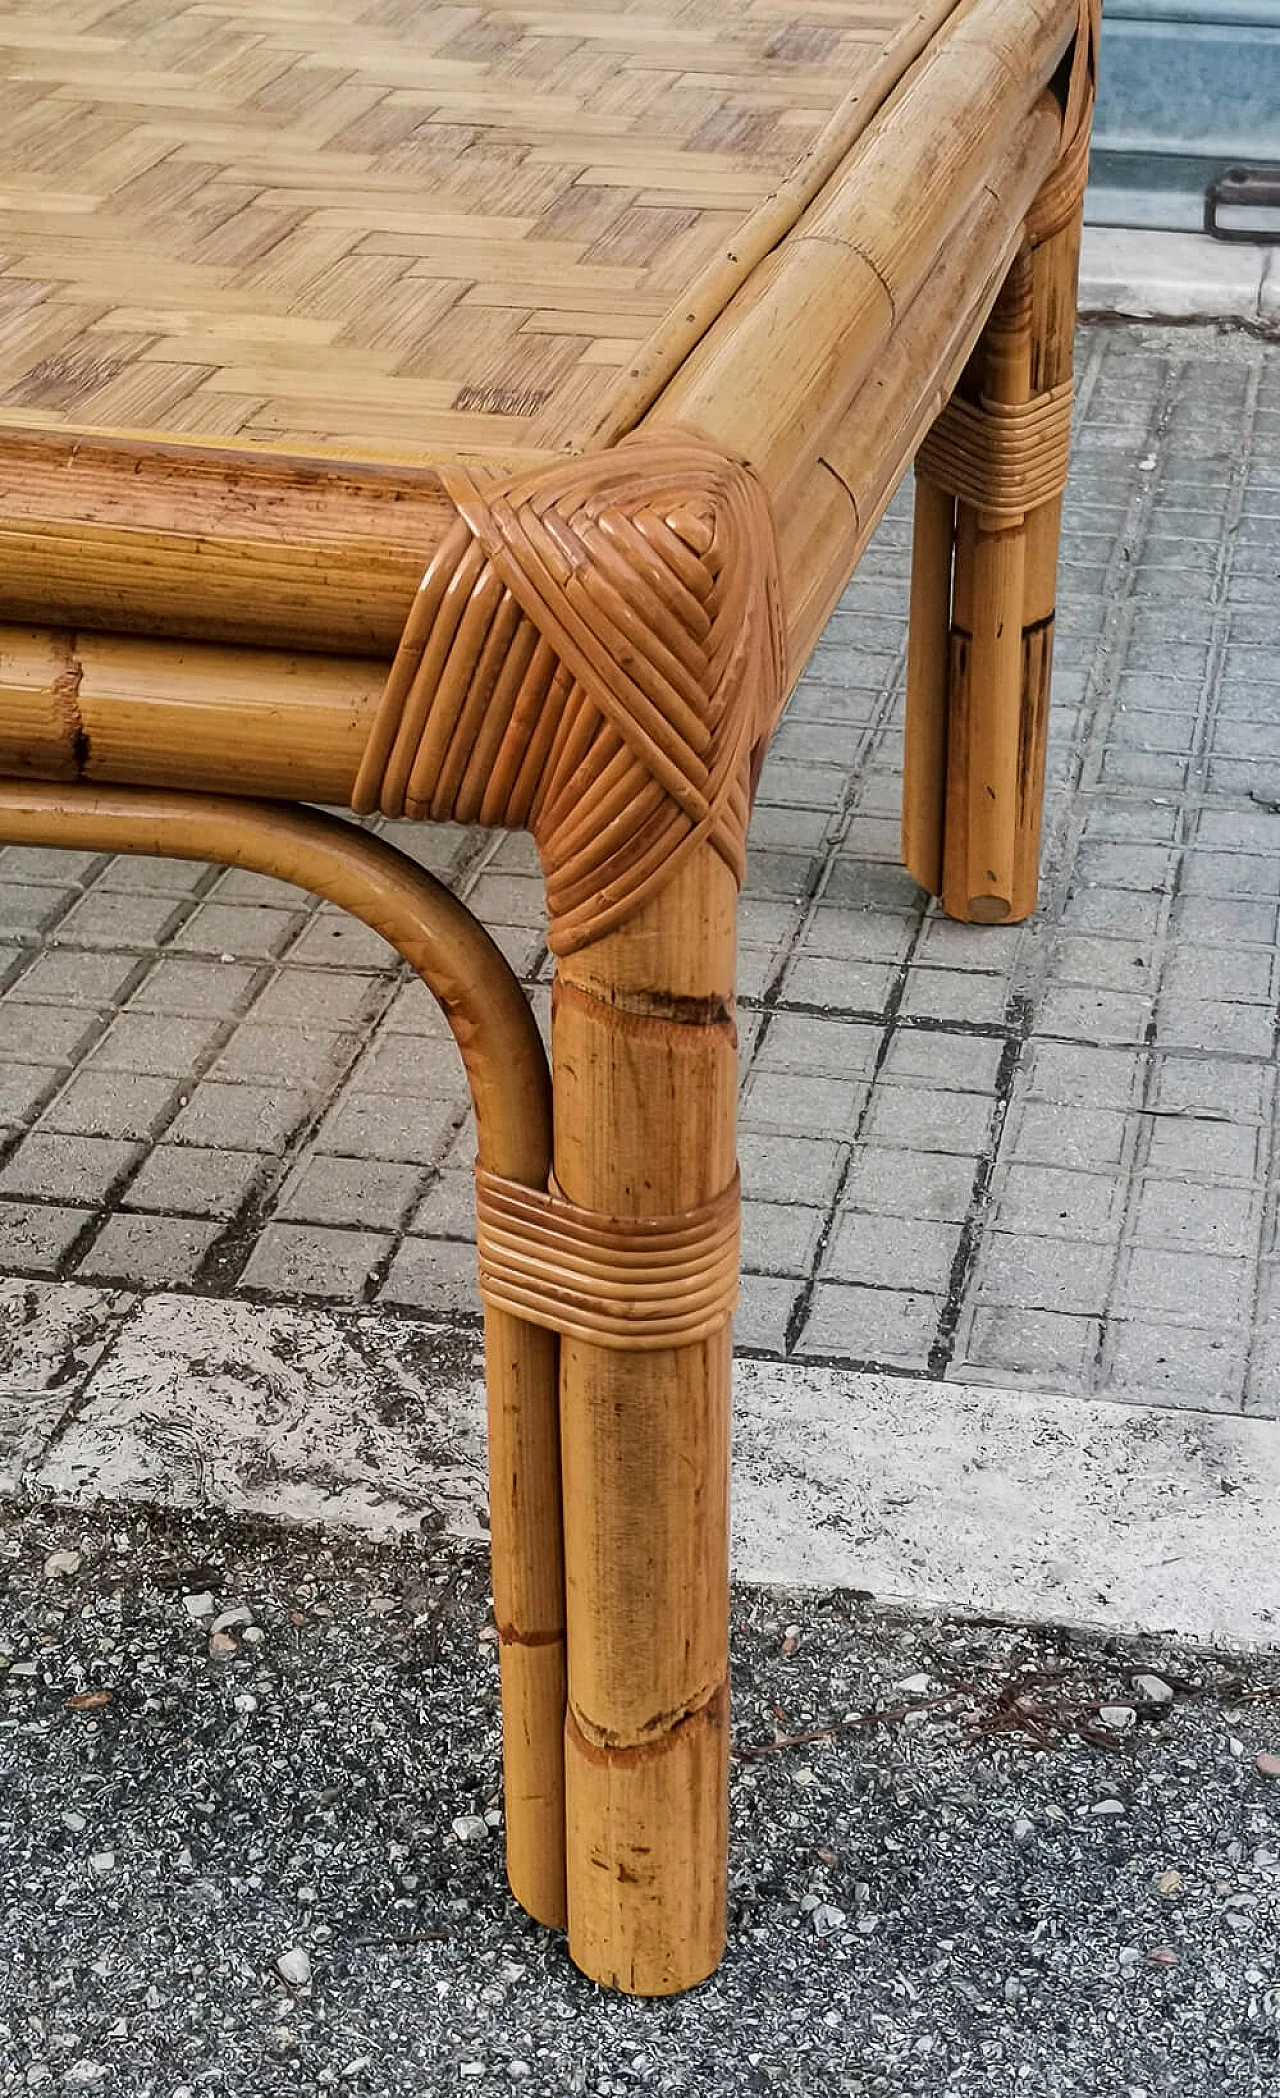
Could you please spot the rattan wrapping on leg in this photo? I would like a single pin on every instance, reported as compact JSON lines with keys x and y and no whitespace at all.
{"x":633,"y":1283}
{"x":594,"y":654}
{"x":1003,"y":457}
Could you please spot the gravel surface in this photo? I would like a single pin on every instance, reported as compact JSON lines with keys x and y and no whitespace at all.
{"x":250,"y":1844}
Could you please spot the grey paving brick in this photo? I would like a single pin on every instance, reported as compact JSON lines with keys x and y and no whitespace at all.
{"x":353,"y":1192}
{"x":406,"y":1063}
{"x":35,"y":1238}
{"x":1174,"y":1365}
{"x":79,"y":1170}
{"x":27,"y":908}
{"x":756,"y":970}
{"x":1114,"y":821}
{"x":891,"y":1326}
{"x":395,"y":1126}
{"x":309,"y":1260}
{"x":788,"y":1168}
{"x":1088,"y":1139}
{"x":863,"y":885}
{"x":891,"y":1252}
{"x":765,"y":1305}
{"x":1044,"y":1274}
{"x":820,"y":979}
{"x":23,"y":1087}
{"x":160,"y":1045}
{"x":1051,"y":1202}
{"x":1179,"y":1213}
{"x":433,"y":1275}
{"x":783,"y":876}
{"x":1223,"y":1089}
{"x":305,"y":1056}
{"x":955,"y":994}
{"x":239,"y":885}
{"x":135,"y":873}
{"x":1127,"y":914}
{"x":859,"y":936}
{"x":193,"y":1180}
{"x":63,"y":869}
{"x":153,"y":1251}
{"x":922,"y":1184}
{"x":338,"y":998}
{"x":1221,"y":1029}
{"x":110,"y":1103}
{"x":1228,"y":924}
{"x":243,"y":932}
{"x":942,"y":1059}
{"x":1018,"y":1347}
{"x":774,"y":828}
{"x":924,"y":1119}
{"x":1081,"y":1014}
{"x":330,"y":939}
{"x":1125,"y":866}
{"x":1192,"y":1288}
{"x":1081,"y":1076}
{"x":45,"y":1034}
{"x":826,"y":1048}
{"x":61,"y":976}
{"x":1253,"y":876}
{"x":1242,"y":975}
{"x":793,"y":782}
{"x":240,"y":1117}
{"x":107,"y":918}
{"x":801,"y":1103}
{"x":194,"y":988}
{"x":448,"y":1209}
{"x":1206,"y":1149}
{"x":779,"y":1238}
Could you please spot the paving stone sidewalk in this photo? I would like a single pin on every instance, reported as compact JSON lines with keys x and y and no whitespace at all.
{"x":1038,"y":1157}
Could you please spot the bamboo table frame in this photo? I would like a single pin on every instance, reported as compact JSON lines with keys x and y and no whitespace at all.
{"x":597,"y":652}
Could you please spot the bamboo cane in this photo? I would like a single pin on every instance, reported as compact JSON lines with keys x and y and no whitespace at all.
{"x":507,"y":1072}
{"x":644,"y":1071}
{"x":1055,"y":263}
{"x":987,"y":651}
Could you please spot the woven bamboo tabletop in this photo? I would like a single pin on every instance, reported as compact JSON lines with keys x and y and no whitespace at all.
{"x":406,"y":228}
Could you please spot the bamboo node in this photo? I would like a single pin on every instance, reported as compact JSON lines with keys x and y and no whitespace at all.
{"x":1004,"y":458}
{"x":631,"y":1283}
{"x":595,"y":654}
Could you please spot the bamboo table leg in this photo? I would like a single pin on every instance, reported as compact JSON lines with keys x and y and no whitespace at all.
{"x":988,"y":516}
{"x":644,"y":1071}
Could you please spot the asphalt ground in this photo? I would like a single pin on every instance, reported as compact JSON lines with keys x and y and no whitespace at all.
{"x":966,"y":1859}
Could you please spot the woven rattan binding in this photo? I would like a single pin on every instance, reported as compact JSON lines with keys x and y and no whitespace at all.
{"x":627,"y":1283}
{"x":595,"y":654}
{"x":1004,"y":459}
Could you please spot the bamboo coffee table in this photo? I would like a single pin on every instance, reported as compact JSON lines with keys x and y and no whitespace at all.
{"x":621,"y":321}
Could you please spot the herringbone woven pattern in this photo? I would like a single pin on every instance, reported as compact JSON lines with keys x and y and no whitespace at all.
{"x":399,"y":226}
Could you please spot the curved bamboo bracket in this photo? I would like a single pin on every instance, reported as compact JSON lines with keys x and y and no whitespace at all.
{"x":462,"y":967}
{"x":595,"y":654}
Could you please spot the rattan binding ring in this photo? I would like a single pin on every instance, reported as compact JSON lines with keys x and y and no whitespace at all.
{"x":628,"y":1283}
